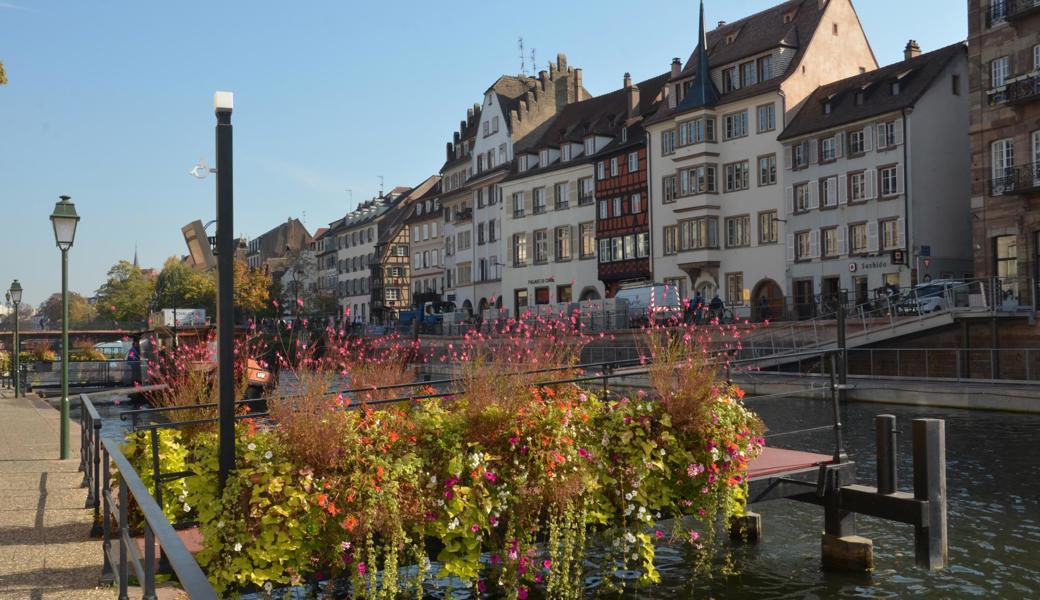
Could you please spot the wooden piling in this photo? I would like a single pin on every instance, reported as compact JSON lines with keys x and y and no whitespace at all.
{"x":930,"y":539}
{"x":885,"y":434}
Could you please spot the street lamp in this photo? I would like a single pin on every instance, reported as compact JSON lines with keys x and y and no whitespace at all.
{"x":15,"y":295}
{"x":223,"y":105}
{"x":64,"y":219}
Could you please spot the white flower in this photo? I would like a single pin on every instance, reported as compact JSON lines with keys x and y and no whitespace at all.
{"x":630,"y":495}
{"x":268,"y":455}
{"x":220,"y":524}
{"x":251,"y":446}
{"x":635,"y":556}
{"x":238,"y":547}
{"x":268,"y":587}
{"x":631,"y":539}
{"x":433,"y":479}
{"x":186,"y":507}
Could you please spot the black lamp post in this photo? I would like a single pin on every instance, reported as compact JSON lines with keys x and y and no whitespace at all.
{"x":223,"y":104}
{"x":15,"y":295}
{"x":64,"y":219}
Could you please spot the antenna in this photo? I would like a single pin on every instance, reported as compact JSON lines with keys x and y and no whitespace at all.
{"x":523,"y":56}
{"x":534,"y":63}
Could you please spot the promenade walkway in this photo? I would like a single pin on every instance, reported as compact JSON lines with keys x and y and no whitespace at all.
{"x":45,"y":547}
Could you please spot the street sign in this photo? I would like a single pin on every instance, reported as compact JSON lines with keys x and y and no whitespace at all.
{"x":926,"y":250}
{"x":852,"y":267}
{"x":899,"y":257}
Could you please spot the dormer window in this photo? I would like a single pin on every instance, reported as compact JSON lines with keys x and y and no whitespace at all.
{"x":730,"y":38}
{"x":827,"y":108}
{"x":895,"y":88}
{"x":543,"y":158}
{"x":624,"y":134}
{"x":788,"y":17}
{"x":523,"y":163}
{"x":418,"y":209}
{"x":859,"y":98}
{"x":590,"y":146}
{"x":565,"y":152}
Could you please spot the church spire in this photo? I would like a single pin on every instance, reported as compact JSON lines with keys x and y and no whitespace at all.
{"x":702,"y":90}
{"x":136,"y":264}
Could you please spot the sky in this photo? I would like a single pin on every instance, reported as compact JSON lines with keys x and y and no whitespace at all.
{"x":111,"y":103}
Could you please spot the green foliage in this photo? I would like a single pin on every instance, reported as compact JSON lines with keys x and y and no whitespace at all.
{"x":180,"y":286}
{"x":252,"y":289}
{"x":173,"y":458}
{"x":87,"y":355}
{"x":3,"y":74}
{"x":127,"y":294}
{"x":80,"y":310}
{"x":5,"y":361}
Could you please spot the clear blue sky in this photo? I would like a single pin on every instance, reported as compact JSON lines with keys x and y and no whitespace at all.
{"x":111,"y":102}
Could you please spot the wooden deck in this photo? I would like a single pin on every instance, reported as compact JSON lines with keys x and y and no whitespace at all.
{"x":778,"y":461}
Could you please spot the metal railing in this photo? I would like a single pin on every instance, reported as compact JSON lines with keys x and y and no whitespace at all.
{"x":1016,"y":180}
{"x":90,"y":458}
{"x":100,"y":373}
{"x":120,"y":549}
{"x":955,"y":364}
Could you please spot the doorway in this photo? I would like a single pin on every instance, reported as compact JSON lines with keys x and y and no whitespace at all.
{"x":805,"y":307}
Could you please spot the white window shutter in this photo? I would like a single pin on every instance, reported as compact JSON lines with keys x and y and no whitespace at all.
{"x":843,"y":240}
{"x":814,"y":243}
{"x":868,"y":139}
{"x":787,"y":157}
{"x":814,"y":152}
{"x":899,"y":132}
{"x":872,"y":236}
{"x":790,"y":247}
{"x":882,"y":137}
{"x":899,"y":180}
{"x":832,"y":191}
{"x":814,"y":195}
{"x":839,"y":145}
{"x":870,"y":175}
{"x":843,"y":189}
{"x":789,"y":199}
{"x":900,"y":233}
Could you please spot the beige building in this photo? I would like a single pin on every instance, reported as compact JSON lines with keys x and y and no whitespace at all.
{"x":716,"y":182}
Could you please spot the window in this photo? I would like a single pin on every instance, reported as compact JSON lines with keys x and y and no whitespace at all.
{"x":767,"y":170}
{"x":560,"y":194}
{"x":518,"y":204}
{"x":642,"y":245}
{"x":604,"y":209}
{"x":895,"y":88}
{"x":735,"y":288}
{"x":858,"y":238}
{"x":501,"y":148}
{"x":998,"y":70}
{"x":748,"y":74}
{"x":668,"y":142}
{"x":465,"y":276}
{"x":1036,"y":58}
{"x":636,"y":203}
{"x":856,"y":139}
{"x":829,"y":191}
{"x":738,"y":231}
{"x":955,"y":80}
{"x":624,"y":134}
{"x":480,"y":234}
{"x":697,"y":131}
{"x":699,"y":233}
{"x":887,"y":135}
{"x":670,"y":239}
{"x":522,"y":163}
{"x":539,"y":200}
{"x":729,"y":80}
{"x":765,"y":68}
{"x":613,"y":167}
{"x":491,"y":230}
{"x":565,"y":152}
{"x":830,"y":242}
{"x":889,"y":181}
{"x":588,"y":239}
{"x":617,"y":247}
{"x":543,"y":158}
{"x":541,"y":246}
{"x":697,"y":180}
{"x":415,"y":232}
{"x":519,"y":249}
{"x":1003,"y":161}
{"x":801,"y":198}
{"x":857,"y":187}
{"x":563,"y":243}
{"x":601,"y":170}
{"x":1006,"y":256}
{"x":617,"y":207}
{"x":590,"y":146}
{"x":604,"y":250}
{"x":391,"y":294}
{"x":767,"y":227}
{"x":766,"y":117}
{"x":737,"y":176}
{"x":630,"y":247}
{"x":669,"y":187}
{"x":564,"y":294}
{"x":802,"y":246}
{"x":425,"y":231}
{"x":586,"y":191}
{"x":799,"y":153}
{"x":828,"y":149}
{"x":890,"y":234}
{"x":735,"y":125}
{"x":633,"y":162}
{"x":494,"y":124}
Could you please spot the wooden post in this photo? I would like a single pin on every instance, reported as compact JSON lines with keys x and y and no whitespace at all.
{"x":886,"y":453}
{"x":930,"y":541}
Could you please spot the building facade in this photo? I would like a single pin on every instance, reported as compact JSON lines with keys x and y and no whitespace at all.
{"x":1004,"y":59}
{"x":876,"y":171}
{"x":273,"y":248}
{"x":426,"y":224}
{"x":356,"y":243}
{"x":715,"y":186}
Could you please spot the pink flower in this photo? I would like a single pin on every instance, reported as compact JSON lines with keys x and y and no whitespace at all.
{"x":546,"y":563}
{"x":361,"y":569}
{"x":495,"y":559}
{"x":521,"y":593}
{"x":659,"y":534}
{"x":449,"y":495}
{"x":481,"y":586}
{"x":494,"y":520}
{"x":490,"y":477}
{"x":475,"y":528}
{"x":694,"y":536}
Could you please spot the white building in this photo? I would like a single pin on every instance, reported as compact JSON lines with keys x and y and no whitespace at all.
{"x":716,"y":189}
{"x":426,"y":224}
{"x":356,"y":239}
{"x":877,"y":172}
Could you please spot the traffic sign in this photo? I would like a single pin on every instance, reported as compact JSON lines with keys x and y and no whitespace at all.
{"x":926,"y":250}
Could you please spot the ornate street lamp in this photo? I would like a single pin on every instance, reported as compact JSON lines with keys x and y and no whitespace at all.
{"x":64,"y":219}
{"x":15,"y":295}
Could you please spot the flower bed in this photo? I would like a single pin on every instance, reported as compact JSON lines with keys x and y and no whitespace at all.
{"x":506,"y":479}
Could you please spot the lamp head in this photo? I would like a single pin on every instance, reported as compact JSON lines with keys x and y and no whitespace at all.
{"x":15,"y":293}
{"x":223,"y":102}
{"x":64,"y":219}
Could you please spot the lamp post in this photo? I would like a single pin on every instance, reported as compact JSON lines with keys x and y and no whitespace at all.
{"x":15,"y":294}
{"x":64,"y":219}
{"x":223,"y":104}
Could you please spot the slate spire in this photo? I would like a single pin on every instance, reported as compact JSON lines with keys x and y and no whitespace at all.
{"x":702,"y":90}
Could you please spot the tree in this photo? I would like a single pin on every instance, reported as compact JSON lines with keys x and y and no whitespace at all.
{"x":180,"y":286}
{"x":127,"y":294}
{"x":3,"y":74}
{"x":252,"y":289}
{"x":80,"y":310}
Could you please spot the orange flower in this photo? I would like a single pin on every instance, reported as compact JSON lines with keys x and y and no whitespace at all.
{"x":379,"y":472}
{"x":393,"y":436}
{"x":350,"y":523}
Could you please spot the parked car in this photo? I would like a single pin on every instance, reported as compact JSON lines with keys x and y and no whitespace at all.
{"x":664,"y":300}
{"x":935,"y":295}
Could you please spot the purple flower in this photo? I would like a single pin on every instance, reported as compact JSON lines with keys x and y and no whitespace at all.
{"x":361,"y":569}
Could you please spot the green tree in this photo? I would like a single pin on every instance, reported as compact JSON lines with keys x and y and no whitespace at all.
{"x":180,"y":286}
{"x":80,"y":310}
{"x":252,"y":289}
{"x":127,"y":294}
{"x":3,"y":74}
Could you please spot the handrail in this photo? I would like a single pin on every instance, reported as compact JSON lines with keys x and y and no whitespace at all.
{"x":156,"y":528}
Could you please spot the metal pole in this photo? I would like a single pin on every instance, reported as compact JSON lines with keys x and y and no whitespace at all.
{"x":64,"y":354}
{"x":930,"y":539}
{"x":17,"y":366}
{"x":225,"y":294}
{"x":885,"y":439}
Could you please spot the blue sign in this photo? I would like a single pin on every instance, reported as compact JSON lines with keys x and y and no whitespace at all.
{"x":926,"y":250}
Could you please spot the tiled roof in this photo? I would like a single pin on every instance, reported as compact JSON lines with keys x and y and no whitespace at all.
{"x":915,"y":76}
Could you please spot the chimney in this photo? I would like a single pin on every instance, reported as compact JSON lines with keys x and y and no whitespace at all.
{"x":462,"y":127}
{"x":721,"y":24}
{"x":628,"y":80}
{"x":676,"y":68}
{"x":633,"y":99}
{"x":469,"y":113}
{"x":544,"y":77}
{"x":451,"y":151}
{"x":912,"y":50}
{"x":579,"y":94}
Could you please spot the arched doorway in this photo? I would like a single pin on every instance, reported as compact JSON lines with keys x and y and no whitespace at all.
{"x":767,"y":301}
{"x":589,"y":293}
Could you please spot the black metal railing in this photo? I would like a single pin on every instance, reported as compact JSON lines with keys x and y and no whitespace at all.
{"x":1024,"y":89}
{"x":90,"y":458}
{"x":1017,"y":9}
{"x":1016,"y":180}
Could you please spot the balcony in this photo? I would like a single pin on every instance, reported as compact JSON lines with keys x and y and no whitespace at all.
{"x":1023,"y":179}
{"x":1020,"y":9}
{"x":464,"y":214}
{"x":1021,"y":91}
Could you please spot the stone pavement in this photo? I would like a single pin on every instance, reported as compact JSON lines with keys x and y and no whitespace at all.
{"x":45,"y":547}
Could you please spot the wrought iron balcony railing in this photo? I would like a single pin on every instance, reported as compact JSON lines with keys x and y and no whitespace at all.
{"x":1023,"y":90}
{"x":1017,"y":180}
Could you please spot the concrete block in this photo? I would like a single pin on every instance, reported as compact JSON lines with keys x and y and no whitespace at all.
{"x":852,"y":553}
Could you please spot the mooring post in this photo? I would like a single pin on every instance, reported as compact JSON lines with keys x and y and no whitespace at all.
{"x":886,"y":453}
{"x":930,"y":540}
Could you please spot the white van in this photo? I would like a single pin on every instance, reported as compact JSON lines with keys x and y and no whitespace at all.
{"x":667,"y":305}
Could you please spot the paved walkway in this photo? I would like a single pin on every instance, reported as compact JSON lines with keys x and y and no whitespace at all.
{"x":45,"y":547}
